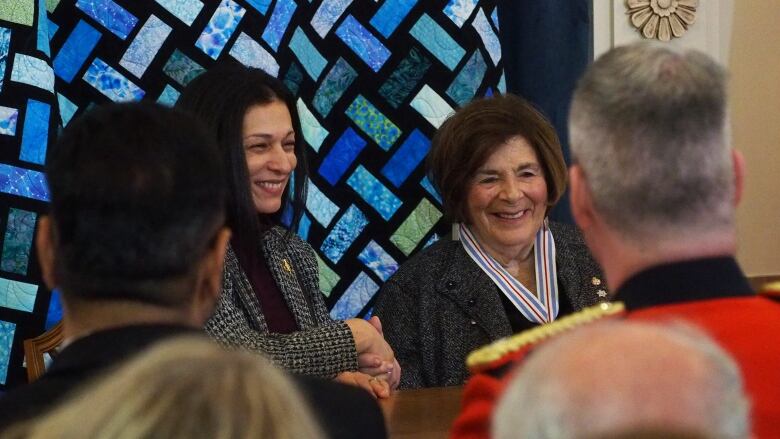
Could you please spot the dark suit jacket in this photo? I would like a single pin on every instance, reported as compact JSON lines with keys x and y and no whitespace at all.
{"x":343,"y":411}
{"x":440,"y":305}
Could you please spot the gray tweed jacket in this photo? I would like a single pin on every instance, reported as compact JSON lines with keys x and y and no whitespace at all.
{"x":440,"y":305}
{"x":321,"y":347}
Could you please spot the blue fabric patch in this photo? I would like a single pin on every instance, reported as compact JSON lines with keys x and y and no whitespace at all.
{"x":321,"y":208}
{"x":250,"y":53}
{"x":5,"y":43}
{"x":277,"y":25}
{"x":109,"y":14}
{"x":8,"y":118}
{"x":336,"y":82}
{"x":405,"y":77}
{"x":17,"y":295}
{"x":18,"y":241}
{"x":220,"y":28}
{"x":52,"y":29}
{"x":431,"y":106}
{"x":425,"y":183}
{"x":358,"y":294}
{"x":465,"y":85}
{"x":313,"y":131}
{"x":145,"y":46}
{"x":168,"y":96}
{"x":390,"y":15}
{"x":33,"y":71}
{"x":111,"y":83}
{"x":185,"y":10}
{"x":374,"y":192}
{"x":327,"y":14}
{"x":67,"y":109}
{"x":23,"y":182}
{"x":341,"y":156}
{"x":488,"y":35}
{"x":293,"y":78}
{"x":363,"y":43}
{"x":346,"y":230}
{"x":35,"y":133}
{"x":181,"y":68}
{"x":501,"y":86}
{"x":260,"y":5}
{"x":7,"y":330}
{"x":437,"y":41}
{"x":54,"y":314}
{"x":406,"y":158}
{"x":75,"y":51}
{"x":303,"y":227}
{"x":378,"y":260}
{"x":368,"y":118}
{"x":43,"y":29}
{"x":431,"y":240}
{"x":311,"y":59}
{"x":460,"y":10}
{"x":494,"y":17}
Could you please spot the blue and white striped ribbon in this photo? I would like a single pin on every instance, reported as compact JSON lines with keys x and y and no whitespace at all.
{"x":540,"y":309}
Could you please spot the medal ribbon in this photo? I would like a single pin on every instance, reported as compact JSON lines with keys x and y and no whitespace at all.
{"x":541,"y":309}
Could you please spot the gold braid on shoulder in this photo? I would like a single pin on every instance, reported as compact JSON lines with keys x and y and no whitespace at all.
{"x":499,"y":348}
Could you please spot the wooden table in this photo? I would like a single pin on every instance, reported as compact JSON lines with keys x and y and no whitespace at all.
{"x":422,"y":413}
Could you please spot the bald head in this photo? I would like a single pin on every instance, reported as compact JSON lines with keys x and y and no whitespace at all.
{"x":618,"y":376}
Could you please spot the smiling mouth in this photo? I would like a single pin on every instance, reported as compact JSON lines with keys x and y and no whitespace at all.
{"x":271,"y":185}
{"x":511,"y":216}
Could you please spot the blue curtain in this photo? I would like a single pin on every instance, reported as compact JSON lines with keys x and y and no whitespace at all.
{"x":547,"y":45}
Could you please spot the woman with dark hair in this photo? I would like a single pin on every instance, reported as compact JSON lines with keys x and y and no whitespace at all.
{"x":271,"y":300}
{"x":499,"y":167}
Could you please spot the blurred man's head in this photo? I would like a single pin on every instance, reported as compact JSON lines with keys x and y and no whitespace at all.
{"x":137,"y":210}
{"x":616,"y":377}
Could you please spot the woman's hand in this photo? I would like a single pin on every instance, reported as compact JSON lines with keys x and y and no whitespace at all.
{"x":373,"y":365}
{"x":369,"y":339}
{"x":379,"y":388}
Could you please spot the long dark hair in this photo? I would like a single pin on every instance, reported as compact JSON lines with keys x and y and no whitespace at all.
{"x":220,"y":98}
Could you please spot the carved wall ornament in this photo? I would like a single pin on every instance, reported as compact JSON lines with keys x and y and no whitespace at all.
{"x":662,"y":19}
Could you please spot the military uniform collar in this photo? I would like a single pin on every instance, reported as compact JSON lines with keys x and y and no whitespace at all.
{"x":684,"y":281}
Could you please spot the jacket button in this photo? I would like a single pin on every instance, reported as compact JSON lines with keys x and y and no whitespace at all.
{"x":473,"y":323}
{"x":472,"y":301}
{"x":451,"y":285}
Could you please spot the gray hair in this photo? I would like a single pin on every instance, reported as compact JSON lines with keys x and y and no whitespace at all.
{"x":612,"y":377}
{"x":648,"y":127}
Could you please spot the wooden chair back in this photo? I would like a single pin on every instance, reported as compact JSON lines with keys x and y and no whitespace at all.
{"x":35,"y":348}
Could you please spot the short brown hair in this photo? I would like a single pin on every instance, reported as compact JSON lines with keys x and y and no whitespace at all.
{"x":467,"y":138}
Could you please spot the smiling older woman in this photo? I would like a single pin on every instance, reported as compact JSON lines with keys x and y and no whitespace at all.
{"x":499,"y":167}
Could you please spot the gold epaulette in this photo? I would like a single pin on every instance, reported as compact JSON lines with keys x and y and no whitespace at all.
{"x":772,"y":289}
{"x":499,"y":348}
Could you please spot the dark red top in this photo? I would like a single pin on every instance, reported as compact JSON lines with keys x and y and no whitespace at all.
{"x":276,"y":312}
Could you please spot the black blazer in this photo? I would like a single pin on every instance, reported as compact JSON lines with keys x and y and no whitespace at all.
{"x":343,"y":411}
{"x":440,"y":305}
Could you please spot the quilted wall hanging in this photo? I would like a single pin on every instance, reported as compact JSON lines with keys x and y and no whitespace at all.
{"x":374,"y":79}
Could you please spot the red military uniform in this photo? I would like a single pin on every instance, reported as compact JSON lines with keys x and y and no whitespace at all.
{"x":710,"y":293}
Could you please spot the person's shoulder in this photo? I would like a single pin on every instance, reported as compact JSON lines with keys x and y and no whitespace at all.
{"x":344,"y":411}
{"x":428,"y":261}
{"x":29,"y":400}
{"x":565,"y":233}
{"x":506,"y":351}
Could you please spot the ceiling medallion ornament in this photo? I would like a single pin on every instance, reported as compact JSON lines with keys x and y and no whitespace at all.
{"x":662,"y":19}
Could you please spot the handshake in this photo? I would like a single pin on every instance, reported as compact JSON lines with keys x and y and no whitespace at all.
{"x":378,"y":370}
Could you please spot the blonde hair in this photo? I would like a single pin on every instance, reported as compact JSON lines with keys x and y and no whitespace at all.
{"x":186,"y":387}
